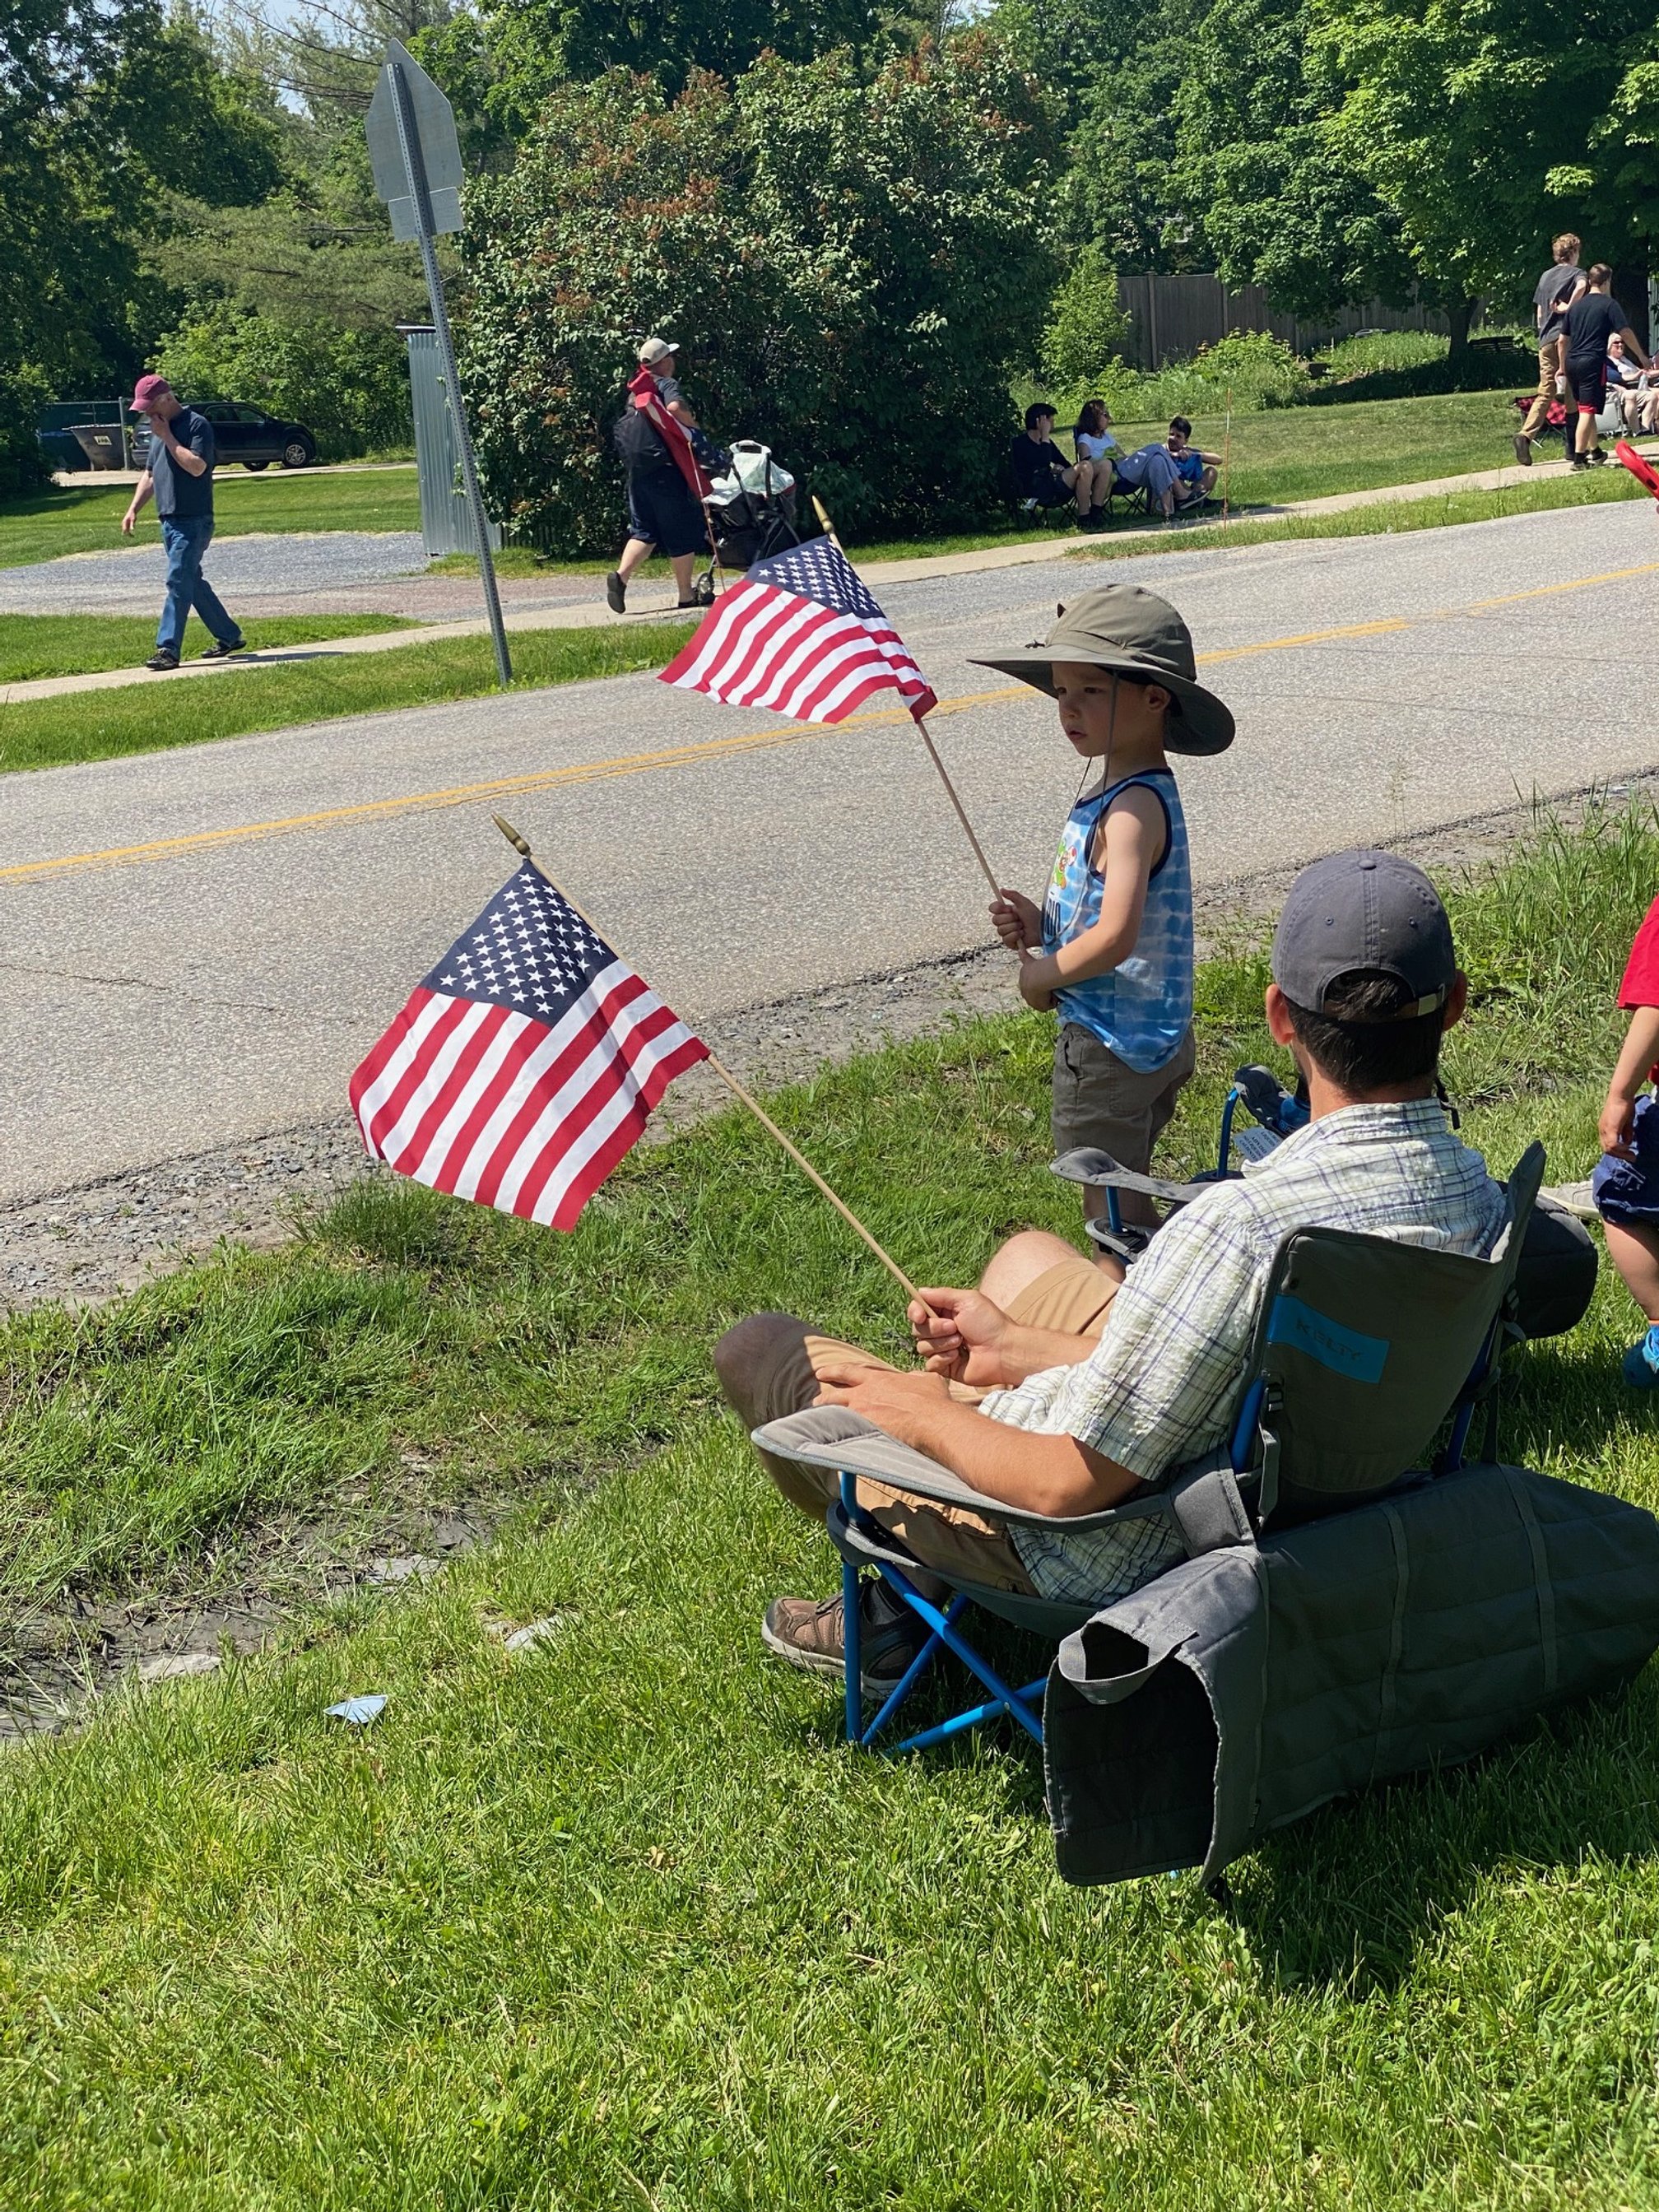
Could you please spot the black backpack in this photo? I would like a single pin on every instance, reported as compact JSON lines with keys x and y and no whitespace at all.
{"x":639,"y":443}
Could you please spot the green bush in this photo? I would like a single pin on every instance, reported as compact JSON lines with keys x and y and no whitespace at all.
{"x":1257,"y":369}
{"x":1087,"y":329}
{"x":349,"y":388}
{"x":852,"y":266}
{"x":23,"y":465}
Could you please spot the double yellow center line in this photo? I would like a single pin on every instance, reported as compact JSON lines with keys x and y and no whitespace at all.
{"x":746,"y":741}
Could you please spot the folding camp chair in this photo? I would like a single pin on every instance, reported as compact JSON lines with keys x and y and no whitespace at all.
{"x":1269,"y":1116}
{"x":1364,"y":1349}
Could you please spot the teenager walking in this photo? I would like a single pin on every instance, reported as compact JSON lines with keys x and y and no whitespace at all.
{"x":1557,"y":289}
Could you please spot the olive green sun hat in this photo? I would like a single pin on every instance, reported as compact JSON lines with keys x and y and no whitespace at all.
{"x":1135,"y":633}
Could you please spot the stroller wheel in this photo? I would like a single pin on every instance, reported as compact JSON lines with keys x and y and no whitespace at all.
{"x":702,"y":589}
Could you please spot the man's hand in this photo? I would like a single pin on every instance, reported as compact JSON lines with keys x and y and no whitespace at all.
{"x":1615,"y":1128}
{"x":900,"y":1404}
{"x":1016,"y":920}
{"x":128,"y":520}
{"x":962,"y":1337}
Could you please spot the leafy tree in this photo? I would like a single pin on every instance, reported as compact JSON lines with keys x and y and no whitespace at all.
{"x":1121,"y":192}
{"x":1458,"y":115}
{"x":850,"y":265}
{"x":348,"y":386}
{"x":1278,"y":199}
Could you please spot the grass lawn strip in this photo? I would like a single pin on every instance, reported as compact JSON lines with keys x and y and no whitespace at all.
{"x":619,"y":1921}
{"x":88,"y":519}
{"x":33,"y":645}
{"x":1387,"y":518}
{"x":88,"y":726}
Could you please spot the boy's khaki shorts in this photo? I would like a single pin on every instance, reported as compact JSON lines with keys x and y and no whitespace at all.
{"x":1100,"y":1100}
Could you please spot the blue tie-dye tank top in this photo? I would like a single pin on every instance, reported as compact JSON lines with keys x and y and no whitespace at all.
{"x":1144,"y":1007}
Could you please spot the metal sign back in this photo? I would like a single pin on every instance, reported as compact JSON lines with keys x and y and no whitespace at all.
{"x":439,"y":143}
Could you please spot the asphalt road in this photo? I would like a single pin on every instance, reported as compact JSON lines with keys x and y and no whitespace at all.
{"x":199,"y":945}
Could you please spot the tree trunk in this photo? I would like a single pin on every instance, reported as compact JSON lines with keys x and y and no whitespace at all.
{"x":1459,"y":314}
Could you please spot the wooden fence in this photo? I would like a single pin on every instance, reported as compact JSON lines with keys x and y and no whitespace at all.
{"x":1170,"y":317}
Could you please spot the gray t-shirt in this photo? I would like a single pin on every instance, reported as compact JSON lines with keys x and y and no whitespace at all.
{"x":1557,"y":281}
{"x":179,"y":496}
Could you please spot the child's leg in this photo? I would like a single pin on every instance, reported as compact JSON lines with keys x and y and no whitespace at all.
{"x":1099,"y":1101}
{"x":1635,"y":1253}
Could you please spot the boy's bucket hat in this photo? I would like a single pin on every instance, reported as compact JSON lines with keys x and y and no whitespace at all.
{"x":1135,"y":633}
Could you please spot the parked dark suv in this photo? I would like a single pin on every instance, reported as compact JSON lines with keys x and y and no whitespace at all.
{"x":255,"y":439}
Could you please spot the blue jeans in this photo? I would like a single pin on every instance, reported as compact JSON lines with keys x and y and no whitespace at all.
{"x":186,"y":539}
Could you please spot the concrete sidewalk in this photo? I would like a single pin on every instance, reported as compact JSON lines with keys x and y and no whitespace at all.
{"x":656,"y":603}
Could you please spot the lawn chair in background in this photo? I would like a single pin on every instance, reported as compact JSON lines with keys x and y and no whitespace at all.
{"x":1178,"y":1742}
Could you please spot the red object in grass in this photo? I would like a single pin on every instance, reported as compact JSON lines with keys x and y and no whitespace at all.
{"x":1639,"y":469}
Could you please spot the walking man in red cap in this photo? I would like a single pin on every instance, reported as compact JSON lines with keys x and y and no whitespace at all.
{"x":179,"y":477}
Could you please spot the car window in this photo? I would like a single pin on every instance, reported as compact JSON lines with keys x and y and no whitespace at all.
{"x":252,"y":415}
{"x":216,"y":411}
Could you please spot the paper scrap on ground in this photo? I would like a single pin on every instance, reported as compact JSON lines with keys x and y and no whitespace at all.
{"x":359,"y":1711}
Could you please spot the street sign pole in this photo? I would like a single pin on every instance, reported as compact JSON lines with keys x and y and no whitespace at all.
{"x":416,"y":217}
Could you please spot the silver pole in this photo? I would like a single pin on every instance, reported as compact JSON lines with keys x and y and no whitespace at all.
{"x":415,"y":171}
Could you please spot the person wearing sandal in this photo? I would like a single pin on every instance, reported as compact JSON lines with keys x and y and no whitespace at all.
{"x":178,"y":476}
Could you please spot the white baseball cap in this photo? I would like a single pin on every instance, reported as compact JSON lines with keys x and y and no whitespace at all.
{"x":656,"y":350}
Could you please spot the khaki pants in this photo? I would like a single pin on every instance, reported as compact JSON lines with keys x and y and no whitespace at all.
{"x":1551,"y":363}
{"x":1099,"y":1100}
{"x":767,"y":1369}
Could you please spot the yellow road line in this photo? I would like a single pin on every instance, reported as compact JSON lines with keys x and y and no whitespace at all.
{"x":746,"y":741}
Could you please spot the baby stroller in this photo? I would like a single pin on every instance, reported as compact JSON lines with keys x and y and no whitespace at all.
{"x":751,"y":509}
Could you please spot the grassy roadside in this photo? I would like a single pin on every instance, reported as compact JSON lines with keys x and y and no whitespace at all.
{"x":88,"y":726}
{"x":87,"y":519}
{"x":1392,"y":518}
{"x":33,"y":645}
{"x":618,"y":1922}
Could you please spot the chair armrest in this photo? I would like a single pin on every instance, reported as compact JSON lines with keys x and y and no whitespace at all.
{"x":836,"y":1438}
{"x":1087,"y":1164}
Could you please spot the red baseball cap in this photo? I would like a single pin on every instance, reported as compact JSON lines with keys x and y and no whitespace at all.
{"x":146,"y":392}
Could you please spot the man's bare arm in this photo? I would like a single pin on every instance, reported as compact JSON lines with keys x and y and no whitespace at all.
{"x":1053,"y":1476}
{"x":141,"y":492}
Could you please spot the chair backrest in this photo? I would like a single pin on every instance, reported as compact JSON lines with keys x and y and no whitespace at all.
{"x":1363,"y":1347}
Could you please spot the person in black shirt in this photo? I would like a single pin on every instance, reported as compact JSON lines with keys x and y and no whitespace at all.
{"x":1041,"y":472}
{"x":1593,"y":318}
{"x":1558,"y":288}
{"x":178,"y":476}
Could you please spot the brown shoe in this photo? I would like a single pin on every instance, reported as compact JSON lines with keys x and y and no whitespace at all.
{"x":808,"y":1633}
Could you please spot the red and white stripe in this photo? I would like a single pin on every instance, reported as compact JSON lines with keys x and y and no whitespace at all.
{"x":760,"y":646}
{"x":493,"y":1105}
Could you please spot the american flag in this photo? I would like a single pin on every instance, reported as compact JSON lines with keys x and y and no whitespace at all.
{"x":525,"y":1065}
{"x":802,"y":635}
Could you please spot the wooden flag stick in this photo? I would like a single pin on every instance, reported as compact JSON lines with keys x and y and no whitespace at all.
{"x":927,"y":739}
{"x":521,"y":847}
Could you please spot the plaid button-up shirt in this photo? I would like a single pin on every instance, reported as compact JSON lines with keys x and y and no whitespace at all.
{"x":1161,"y":1387}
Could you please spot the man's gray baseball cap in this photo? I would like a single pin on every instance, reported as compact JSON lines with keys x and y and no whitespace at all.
{"x":1364,"y":909}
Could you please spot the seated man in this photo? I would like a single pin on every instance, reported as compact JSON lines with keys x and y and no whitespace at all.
{"x":1195,"y":470}
{"x":1041,"y":472}
{"x":1062,"y":1386}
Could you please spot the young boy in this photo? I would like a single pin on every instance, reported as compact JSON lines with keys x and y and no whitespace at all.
{"x":1113,"y":945}
{"x":1625,"y":1185}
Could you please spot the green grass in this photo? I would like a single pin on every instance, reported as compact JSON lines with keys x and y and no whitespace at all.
{"x":87,"y":519}
{"x":140,"y":718}
{"x":33,"y":645}
{"x":620,"y":1922}
{"x":1387,"y":518}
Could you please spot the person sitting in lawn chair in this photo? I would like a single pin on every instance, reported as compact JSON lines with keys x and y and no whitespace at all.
{"x":1195,"y":470}
{"x":1061,"y":1385}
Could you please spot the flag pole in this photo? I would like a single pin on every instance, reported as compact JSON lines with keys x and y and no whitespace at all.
{"x":521,"y":847}
{"x":926,"y":738}
{"x":1227,"y":459}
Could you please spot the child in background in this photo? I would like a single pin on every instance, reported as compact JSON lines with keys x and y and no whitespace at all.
{"x":1112,"y":947}
{"x":1625,"y":1185}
